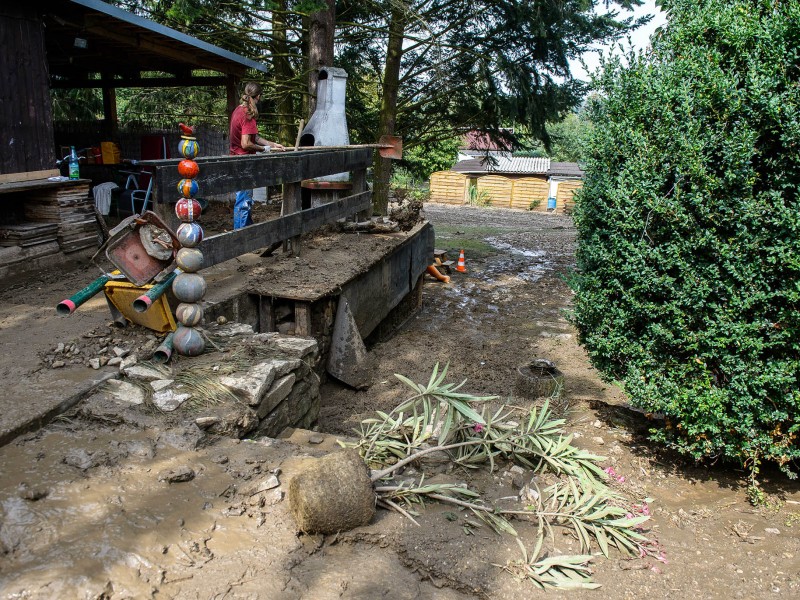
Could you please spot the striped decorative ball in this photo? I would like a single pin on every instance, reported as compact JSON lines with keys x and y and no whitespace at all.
{"x":188,"y":168}
{"x":187,"y":209}
{"x":189,"y":234}
{"x":187,"y":341}
{"x":190,"y":260}
{"x":188,"y":148}
{"x":188,"y":188}
{"x":189,"y":314}
{"x":189,"y":287}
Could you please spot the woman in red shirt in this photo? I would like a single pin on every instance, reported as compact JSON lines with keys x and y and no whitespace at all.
{"x":245,"y":140}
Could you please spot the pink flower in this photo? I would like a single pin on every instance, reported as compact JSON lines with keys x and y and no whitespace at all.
{"x":613,"y":474}
{"x":477,"y":427}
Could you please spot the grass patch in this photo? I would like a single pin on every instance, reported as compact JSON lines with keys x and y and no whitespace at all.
{"x":453,"y":239}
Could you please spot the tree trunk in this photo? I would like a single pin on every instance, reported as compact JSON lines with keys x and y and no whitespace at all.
{"x":282,"y":70}
{"x":320,"y":48}
{"x":382,"y":167}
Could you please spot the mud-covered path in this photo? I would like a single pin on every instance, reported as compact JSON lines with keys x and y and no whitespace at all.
{"x":86,"y":509}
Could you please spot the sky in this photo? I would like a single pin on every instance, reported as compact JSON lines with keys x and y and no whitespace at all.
{"x":640,"y":38}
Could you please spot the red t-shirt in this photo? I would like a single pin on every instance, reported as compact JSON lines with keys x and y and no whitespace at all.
{"x":241,"y":125}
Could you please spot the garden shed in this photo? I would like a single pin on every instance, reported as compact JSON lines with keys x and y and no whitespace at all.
{"x":79,"y":44}
{"x":90,"y":44}
{"x":565,"y":179}
{"x":528,"y":183}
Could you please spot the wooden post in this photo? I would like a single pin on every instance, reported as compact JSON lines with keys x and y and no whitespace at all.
{"x":231,"y":95}
{"x":302,"y":318}
{"x":266,"y":315}
{"x":292,"y":203}
{"x":109,"y":111}
{"x":360,"y":185}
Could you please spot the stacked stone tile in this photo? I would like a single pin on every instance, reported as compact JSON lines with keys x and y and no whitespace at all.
{"x":276,"y":392}
{"x":189,"y":286}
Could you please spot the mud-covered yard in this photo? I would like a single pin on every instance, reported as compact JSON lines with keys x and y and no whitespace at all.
{"x":96,"y":506}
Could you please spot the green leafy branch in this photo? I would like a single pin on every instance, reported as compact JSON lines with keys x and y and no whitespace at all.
{"x":440,"y":419}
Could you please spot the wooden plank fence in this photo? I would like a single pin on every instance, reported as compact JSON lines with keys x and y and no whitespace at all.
{"x":448,"y":187}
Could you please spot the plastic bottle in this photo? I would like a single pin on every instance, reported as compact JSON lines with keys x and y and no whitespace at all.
{"x":74,"y":168}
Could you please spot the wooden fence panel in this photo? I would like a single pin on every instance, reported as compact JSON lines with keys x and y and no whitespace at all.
{"x":498,"y":188}
{"x":565,"y":200}
{"x":224,"y":246}
{"x":221,"y":174}
{"x":26,"y":117}
{"x":528,"y":190}
{"x":448,"y":187}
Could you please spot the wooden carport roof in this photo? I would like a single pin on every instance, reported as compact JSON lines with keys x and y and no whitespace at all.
{"x":121,"y":46}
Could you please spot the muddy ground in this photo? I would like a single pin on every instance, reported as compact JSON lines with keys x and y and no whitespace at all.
{"x":91,"y":507}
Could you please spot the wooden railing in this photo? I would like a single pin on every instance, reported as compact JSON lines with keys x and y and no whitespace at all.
{"x":221,"y":174}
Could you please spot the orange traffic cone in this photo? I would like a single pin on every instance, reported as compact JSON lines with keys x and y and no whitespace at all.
{"x":461,"y":267}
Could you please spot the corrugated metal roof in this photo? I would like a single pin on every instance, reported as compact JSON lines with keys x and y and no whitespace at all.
{"x":565,"y":169}
{"x":504,"y":163}
{"x":147,"y":37}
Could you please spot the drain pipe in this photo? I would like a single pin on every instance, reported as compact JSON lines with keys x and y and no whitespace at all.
{"x":68,"y":306}
{"x":164,"y":352}
{"x":145,"y":301}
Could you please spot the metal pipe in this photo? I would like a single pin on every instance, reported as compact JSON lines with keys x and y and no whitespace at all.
{"x":164,"y":352}
{"x":145,"y":301}
{"x":68,"y":306}
{"x":388,"y":146}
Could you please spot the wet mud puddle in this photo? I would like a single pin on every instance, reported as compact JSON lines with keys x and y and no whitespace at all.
{"x":88,"y":512}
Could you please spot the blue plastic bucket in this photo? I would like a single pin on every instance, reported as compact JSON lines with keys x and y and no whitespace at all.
{"x":551,"y":203}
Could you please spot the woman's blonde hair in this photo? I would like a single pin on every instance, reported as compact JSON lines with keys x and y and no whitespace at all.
{"x":251,"y":91}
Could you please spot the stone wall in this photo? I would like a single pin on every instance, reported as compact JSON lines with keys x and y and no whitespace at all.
{"x":260,"y":385}
{"x":282,"y":391}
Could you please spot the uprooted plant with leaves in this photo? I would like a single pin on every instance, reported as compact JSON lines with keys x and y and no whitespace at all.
{"x":474,"y":433}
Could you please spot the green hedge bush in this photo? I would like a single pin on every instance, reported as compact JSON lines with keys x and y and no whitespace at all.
{"x":688,"y":278}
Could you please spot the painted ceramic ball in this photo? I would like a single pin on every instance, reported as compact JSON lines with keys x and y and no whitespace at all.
{"x":188,"y":168}
{"x":188,"y":148}
{"x":189,"y":234}
{"x":189,"y":314}
{"x":189,"y":287}
{"x":190,"y":260}
{"x":187,"y":341}
{"x":188,"y":188}
{"x":187,"y":209}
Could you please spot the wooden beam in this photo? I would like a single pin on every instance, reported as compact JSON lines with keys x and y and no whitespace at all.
{"x":136,"y":82}
{"x":266,"y":315}
{"x":231,"y":95}
{"x":27,"y":176}
{"x":201,"y":60}
{"x":226,"y":246}
{"x":222,"y":174}
{"x":292,"y":203}
{"x":110,"y":113}
{"x":360,"y":185}
{"x":302,"y":318}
